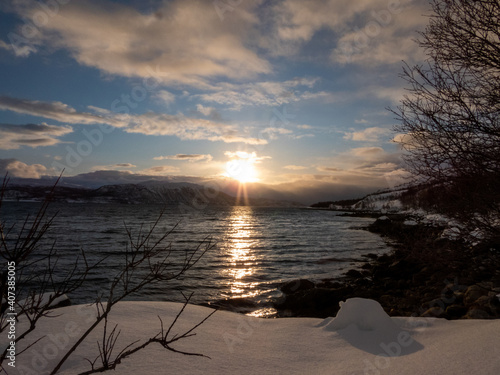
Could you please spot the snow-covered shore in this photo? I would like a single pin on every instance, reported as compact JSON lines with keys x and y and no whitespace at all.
{"x":362,"y":339}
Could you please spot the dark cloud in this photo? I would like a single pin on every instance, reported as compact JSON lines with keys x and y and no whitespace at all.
{"x":33,"y":135}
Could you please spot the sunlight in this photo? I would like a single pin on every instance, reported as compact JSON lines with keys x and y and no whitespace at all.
{"x":242,"y":260}
{"x":242,"y":170}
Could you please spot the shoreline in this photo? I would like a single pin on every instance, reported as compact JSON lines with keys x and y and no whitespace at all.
{"x":424,"y":275}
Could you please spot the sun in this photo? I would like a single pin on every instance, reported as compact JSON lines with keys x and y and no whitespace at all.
{"x":242,"y":170}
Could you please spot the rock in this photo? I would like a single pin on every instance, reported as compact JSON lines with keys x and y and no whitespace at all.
{"x":316,"y":302}
{"x":473,"y":293}
{"x":354,"y":273}
{"x":456,"y":311}
{"x":296,"y":286}
{"x":483,"y":301}
{"x":410,"y":222}
{"x":433,"y":312}
{"x":477,"y":314}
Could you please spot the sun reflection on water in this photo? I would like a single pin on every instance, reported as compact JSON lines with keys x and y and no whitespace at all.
{"x":241,"y":256}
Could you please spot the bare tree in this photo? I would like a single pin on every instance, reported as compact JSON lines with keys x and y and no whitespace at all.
{"x":149,"y":259}
{"x":449,"y":122}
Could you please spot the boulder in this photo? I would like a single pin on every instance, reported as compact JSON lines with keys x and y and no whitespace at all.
{"x":354,"y":274}
{"x":295,"y":286}
{"x":433,"y":312}
{"x":456,"y":311}
{"x":473,"y":293}
{"x":477,"y":314}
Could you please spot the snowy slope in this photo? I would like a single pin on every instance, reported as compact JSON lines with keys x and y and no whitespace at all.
{"x":362,"y":339}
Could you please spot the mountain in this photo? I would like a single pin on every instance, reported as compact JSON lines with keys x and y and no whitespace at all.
{"x":397,"y":199}
{"x":149,"y":192}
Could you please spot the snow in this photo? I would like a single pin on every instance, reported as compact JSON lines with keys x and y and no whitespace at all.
{"x":410,"y":222}
{"x":362,"y":339}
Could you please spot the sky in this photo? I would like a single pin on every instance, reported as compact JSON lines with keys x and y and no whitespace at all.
{"x":289,"y":94}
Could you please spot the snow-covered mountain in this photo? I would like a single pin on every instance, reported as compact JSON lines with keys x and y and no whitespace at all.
{"x":151,"y":192}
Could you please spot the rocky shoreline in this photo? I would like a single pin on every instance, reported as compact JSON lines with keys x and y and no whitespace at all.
{"x":425,"y":275}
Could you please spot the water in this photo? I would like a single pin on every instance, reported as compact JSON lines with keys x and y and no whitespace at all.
{"x":256,"y":249}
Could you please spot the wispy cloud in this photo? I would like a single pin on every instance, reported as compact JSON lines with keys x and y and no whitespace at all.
{"x":371,"y":32}
{"x":265,"y":93}
{"x":186,"y":157}
{"x":150,"y":123}
{"x":112,"y":167}
{"x":295,"y":167}
{"x":372,"y":134}
{"x":55,"y":111}
{"x":161,"y":170}
{"x":32,"y":135}
{"x":364,"y":165}
{"x":165,"y":97}
{"x":20,"y":51}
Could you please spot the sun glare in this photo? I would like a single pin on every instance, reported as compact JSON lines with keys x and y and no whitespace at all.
{"x":242,"y":170}
{"x":242,"y":167}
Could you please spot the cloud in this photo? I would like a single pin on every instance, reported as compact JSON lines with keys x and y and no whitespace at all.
{"x":32,"y":135}
{"x":294,"y":167}
{"x":19,"y":51}
{"x":243,"y":155}
{"x":273,"y":133}
{"x":204,"y":110}
{"x":55,"y":111}
{"x":17,"y":168}
{"x":160,"y":170}
{"x":187,"y":128}
{"x":113,"y":167}
{"x":385,"y":34}
{"x":266,"y":93}
{"x":373,"y":134}
{"x":165,"y":97}
{"x":149,"y":123}
{"x":186,"y":39}
{"x":363,"y":165}
{"x":186,"y":157}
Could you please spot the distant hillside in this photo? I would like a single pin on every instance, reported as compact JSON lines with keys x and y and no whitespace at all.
{"x":179,"y":193}
{"x":387,"y":200}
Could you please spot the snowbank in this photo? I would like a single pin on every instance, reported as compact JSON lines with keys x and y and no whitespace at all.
{"x":362,"y":339}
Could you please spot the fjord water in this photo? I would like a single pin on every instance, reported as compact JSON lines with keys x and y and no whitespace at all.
{"x":256,"y":248}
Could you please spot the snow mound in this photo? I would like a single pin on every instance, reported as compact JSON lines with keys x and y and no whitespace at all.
{"x":364,"y":324}
{"x":365,"y":314}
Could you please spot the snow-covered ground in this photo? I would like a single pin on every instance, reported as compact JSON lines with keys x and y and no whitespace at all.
{"x":362,"y":339}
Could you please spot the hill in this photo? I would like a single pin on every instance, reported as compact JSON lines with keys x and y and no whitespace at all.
{"x":152,"y":192}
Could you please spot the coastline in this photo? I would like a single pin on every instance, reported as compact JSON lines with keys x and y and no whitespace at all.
{"x":424,"y":275}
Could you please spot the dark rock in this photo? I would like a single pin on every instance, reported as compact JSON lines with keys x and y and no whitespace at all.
{"x":433,"y":312}
{"x":473,"y":293}
{"x":354,"y":273}
{"x":456,"y":311}
{"x":296,"y":286}
{"x":317,"y":302}
{"x":477,"y":314}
